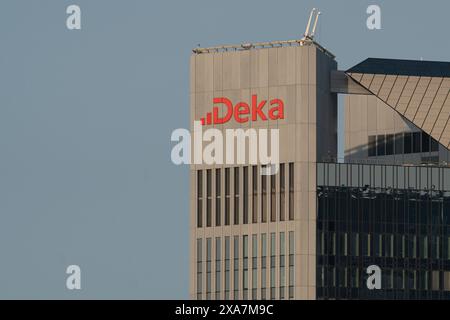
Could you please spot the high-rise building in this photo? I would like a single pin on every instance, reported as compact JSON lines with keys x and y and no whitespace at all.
{"x":311,"y":230}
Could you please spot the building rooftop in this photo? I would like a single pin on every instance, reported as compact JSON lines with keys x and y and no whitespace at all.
{"x":261,"y":45}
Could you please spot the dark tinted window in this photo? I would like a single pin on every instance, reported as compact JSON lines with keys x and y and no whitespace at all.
{"x":399,"y":143}
{"x":425,"y":142}
{"x":372,"y":146}
{"x":408,"y":142}
{"x":389,"y":144}
{"x":381,"y":146}
{"x":416,"y":142}
{"x":434,"y":145}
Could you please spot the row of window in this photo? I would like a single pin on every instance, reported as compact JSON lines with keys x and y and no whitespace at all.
{"x":390,"y":278}
{"x":259,"y":191}
{"x":384,"y":245}
{"x":384,"y":211}
{"x":402,"y":231}
{"x":232,"y":282}
{"x":401,"y":143}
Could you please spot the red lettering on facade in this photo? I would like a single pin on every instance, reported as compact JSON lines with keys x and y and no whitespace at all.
{"x":242,"y":111}
{"x":229,"y":113}
{"x":257,"y":108}
{"x":279,"y":109}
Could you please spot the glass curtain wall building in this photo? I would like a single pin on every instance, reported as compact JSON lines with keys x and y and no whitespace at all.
{"x":395,"y":217}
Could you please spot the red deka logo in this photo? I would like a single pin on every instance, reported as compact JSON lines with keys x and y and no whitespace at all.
{"x":242,"y":112}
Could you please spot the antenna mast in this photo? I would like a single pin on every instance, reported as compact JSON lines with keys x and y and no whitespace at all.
{"x":310,"y":36}
{"x":315,"y":25}
{"x":306,"y":35}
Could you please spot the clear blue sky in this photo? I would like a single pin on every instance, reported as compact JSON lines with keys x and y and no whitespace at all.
{"x":86,"y":118}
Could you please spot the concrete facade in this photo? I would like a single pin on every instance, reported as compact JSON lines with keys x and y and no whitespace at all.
{"x":300,"y":76}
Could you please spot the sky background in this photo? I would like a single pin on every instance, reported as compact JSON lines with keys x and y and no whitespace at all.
{"x":86,"y":118}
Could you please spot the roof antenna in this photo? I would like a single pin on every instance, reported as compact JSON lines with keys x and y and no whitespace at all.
{"x":306,"y":35}
{"x":315,"y":25}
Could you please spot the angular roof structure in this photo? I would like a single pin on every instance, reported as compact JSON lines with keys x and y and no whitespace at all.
{"x":418,"y":90}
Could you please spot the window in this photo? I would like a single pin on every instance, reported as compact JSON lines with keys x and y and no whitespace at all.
{"x":424,"y":247}
{"x":208,"y":268}
{"x":272,"y":265}
{"x":416,"y":142}
{"x":435,"y":279}
{"x":425,"y":142}
{"x":208,"y":198}
{"x":377,"y":245}
{"x":291,"y":264}
{"x":437,"y":248}
{"x":403,"y":246}
{"x":236,"y":268}
{"x":264,"y":199}
{"x":333,"y":243}
{"x":227,"y":268}
{"x":245,"y":267}
{"x":355,"y":244}
{"x":218,"y":197}
{"x":447,"y":280}
{"x":423,"y":280}
{"x":245,"y":200}
{"x":227,"y":196}
{"x":389,"y":245}
{"x":255,"y":194}
{"x":254,"y":266}
{"x":236,"y":195}
{"x":199,"y":198}
{"x":291,"y":191}
{"x":199,"y":269}
{"x":372,"y":146}
{"x":218,"y":267}
{"x":408,"y":143}
{"x":282,"y":192}
{"x":282,"y":266}
{"x":263,"y":265}
{"x":434,"y":145}
{"x":345,"y":244}
{"x":365,"y":243}
{"x":399,"y":143}
{"x":381,"y":145}
{"x":389,"y":144}
{"x":273,"y":201}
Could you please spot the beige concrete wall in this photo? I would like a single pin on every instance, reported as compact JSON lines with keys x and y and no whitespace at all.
{"x":300,"y":76}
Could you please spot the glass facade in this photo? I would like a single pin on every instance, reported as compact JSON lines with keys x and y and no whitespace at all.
{"x":394,"y":217}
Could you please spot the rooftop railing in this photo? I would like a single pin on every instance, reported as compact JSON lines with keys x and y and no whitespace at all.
{"x":261,"y":45}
